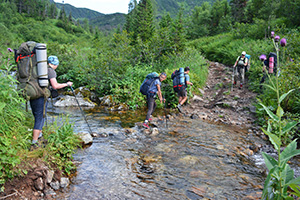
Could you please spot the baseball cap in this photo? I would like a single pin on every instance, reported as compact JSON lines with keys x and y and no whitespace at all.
{"x":53,"y":60}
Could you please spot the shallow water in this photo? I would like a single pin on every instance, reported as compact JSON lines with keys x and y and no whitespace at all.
{"x":191,"y":159}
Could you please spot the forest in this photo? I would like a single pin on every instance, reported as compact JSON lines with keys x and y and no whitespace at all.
{"x":116,"y":62}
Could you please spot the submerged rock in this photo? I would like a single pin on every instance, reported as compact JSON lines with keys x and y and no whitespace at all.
{"x":70,"y":101}
{"x":86,"y":138}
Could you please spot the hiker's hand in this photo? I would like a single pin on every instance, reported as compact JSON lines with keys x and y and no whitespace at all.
{"x":69,"y":83}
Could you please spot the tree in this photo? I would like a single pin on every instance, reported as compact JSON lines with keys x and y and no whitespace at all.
{"x":238,"y":10}
{"x":178,"y":32}
{"x":143,"y":22}
{"x":200,"y":21}
{"x":130,"y":16}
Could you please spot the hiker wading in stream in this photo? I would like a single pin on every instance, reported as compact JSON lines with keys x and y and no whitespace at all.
{"x":182,"y":93}
{"x":241,"y":63}
{"x":153,"y":92}
{"x":37,"y":105}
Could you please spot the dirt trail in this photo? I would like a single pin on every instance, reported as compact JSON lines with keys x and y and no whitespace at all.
{"x":219,"y":104}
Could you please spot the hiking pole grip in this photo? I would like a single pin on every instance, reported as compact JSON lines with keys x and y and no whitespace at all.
{"x":81,"y":111}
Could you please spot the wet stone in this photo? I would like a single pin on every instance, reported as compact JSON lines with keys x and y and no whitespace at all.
{"x":55,"y":185}
{"x":39,"y":184}
{"x":64,"y":182}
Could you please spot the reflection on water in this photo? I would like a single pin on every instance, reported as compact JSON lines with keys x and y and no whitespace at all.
{"x":190,"y":160}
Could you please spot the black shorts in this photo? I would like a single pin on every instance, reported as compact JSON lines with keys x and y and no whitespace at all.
{"x":182,"y":92}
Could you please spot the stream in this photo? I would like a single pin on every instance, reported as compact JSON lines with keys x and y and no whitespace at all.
{"x":189,"y":159}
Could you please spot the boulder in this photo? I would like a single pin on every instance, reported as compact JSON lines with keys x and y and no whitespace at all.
{"x":70,"y":101}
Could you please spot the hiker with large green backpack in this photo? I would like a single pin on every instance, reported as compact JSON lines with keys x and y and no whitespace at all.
{"x":151,"y":88}
{"x":33,"y":75}
{"x":181,"y":80}
{"x":239,"y":71}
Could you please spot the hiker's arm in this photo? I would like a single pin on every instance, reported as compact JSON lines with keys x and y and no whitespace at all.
{"x":57,"y":85}
{"x":235,"y":63}
{"x":246,"y":62}
{"x":159,"y":93}
{"x":189,"y":83}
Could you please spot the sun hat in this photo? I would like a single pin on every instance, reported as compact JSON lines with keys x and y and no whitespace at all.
{"x":53,"y":60}
{"x":244,"y":53}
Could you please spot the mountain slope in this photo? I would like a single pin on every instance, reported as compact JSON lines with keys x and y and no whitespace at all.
{"x":79,"y":13}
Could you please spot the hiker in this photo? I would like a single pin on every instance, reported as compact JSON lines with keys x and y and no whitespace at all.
{"x":154,"y":91}
{"x":269,"y":66}
{"x":263,"y":58}
{"x":241,"y":63}
{"x":37,"y":105}
{"x":182,"y":93}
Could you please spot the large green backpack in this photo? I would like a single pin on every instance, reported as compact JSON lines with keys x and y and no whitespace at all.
{"x":27,"y":75}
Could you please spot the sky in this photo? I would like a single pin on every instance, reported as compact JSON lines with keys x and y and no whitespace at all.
{"x":102,"y":6}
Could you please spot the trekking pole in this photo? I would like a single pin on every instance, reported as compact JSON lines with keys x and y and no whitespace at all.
{"x":90,"y":130}
{"x":165,"y":111}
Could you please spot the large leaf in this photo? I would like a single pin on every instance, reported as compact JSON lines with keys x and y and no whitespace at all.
{"x":274,"y":139}
{"x":269,"y":86}
{"x":287,"y":174}
{"x":284,"y":95}
{"x":288,"y":127}
{"x":290,"y":151}
{"x":270,"y":113}
{"x":294,"y":181}
{"x":268,"y":192}
{"x":279,"y":112}
{"x":269,"y":161}
{"x":296,"y":189}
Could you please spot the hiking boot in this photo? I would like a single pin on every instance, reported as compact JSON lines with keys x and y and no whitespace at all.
{"x":43,"y":141}
{"x":145,"y":125}
{"x":179,"y":108}
{"x":34,"y":146}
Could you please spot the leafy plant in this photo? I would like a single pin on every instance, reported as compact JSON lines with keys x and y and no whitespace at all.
{"x":281,"y":176}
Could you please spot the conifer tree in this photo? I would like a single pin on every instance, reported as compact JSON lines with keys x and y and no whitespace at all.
{"x":178,"y":32}
{"x":143,"y":22}
{"x":238,"y":10}
{"x":130,"y":16}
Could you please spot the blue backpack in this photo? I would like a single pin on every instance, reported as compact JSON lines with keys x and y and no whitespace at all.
{"x":148,"y":82}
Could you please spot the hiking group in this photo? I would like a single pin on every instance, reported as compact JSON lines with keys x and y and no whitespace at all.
{"x":37,"y":81}
{"x":151,"y":88}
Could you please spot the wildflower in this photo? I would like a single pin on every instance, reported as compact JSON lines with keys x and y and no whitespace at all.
{"x":277,"y":38}
{"x":283,"y":42}
{"x":9,"y":49}
{"x":272,"y":34}
{"x":262,"y":57}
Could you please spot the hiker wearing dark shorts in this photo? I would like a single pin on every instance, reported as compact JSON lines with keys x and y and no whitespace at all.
{"x":241,"y":62}
{"x":37,"y":105}
{"x":182,"y":93}
{"x":154,"y":91}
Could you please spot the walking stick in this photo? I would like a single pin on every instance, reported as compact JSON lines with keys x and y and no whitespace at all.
{"x":232,"y":79}
{"x":82,"y":112}
{"x":165,"y":111}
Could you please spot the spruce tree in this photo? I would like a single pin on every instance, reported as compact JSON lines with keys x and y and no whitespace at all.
{"x":143,"y":23}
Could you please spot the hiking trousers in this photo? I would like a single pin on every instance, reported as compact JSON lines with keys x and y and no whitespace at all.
{"x":37,"y":108}
{"x":151,"y":106}
{"x":240,"y":74}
